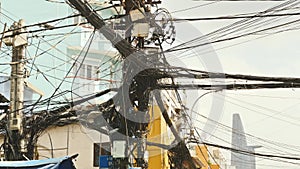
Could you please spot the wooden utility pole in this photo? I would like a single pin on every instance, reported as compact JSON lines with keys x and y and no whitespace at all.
{"x":18,"y":40}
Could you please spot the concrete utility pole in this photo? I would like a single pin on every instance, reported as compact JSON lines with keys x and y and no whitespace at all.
{"x":18,"y":41}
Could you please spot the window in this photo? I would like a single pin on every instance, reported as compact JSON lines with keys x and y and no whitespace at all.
{"x":76,"y":19}
{"x":79,"y":19}
{"x":88,"y":71}
{"x":96,"y":71}
{"x":82,"y":71}
{"x":85,"y":71}
{"x":75,"y":68}
{"x":101,"y":149}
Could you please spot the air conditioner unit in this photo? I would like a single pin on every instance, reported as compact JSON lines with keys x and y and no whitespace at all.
{"x":140,"y":29}
{"x":118,"y":150}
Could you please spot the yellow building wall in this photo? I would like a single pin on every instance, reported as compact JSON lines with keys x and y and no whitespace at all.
{"x":202,"y":154}
{"x":158,"y":158}
{"x":214,"y":166}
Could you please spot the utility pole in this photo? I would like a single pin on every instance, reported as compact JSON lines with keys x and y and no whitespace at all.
{"x":15,"y":146}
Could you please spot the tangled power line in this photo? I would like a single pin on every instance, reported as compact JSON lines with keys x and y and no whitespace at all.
{"x":246,"y":27}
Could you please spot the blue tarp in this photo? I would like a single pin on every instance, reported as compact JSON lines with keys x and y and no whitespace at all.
{"x":54,"y":163}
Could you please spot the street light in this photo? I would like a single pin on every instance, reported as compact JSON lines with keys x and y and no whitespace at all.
{"x":194,"y":104}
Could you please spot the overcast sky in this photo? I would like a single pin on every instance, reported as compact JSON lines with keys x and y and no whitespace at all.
{"x":268,"y":114}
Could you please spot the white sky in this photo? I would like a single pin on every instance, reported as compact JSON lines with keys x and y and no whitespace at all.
{"x":268,"y":114}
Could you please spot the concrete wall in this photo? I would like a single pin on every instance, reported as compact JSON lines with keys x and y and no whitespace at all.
{"x":70,"y":140}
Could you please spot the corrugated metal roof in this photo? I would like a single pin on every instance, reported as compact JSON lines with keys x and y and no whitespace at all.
{"x":55,"y":163}
{"x":3,"y":99}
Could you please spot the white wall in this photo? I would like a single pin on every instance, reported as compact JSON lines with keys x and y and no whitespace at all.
{"x":70,"y":140}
